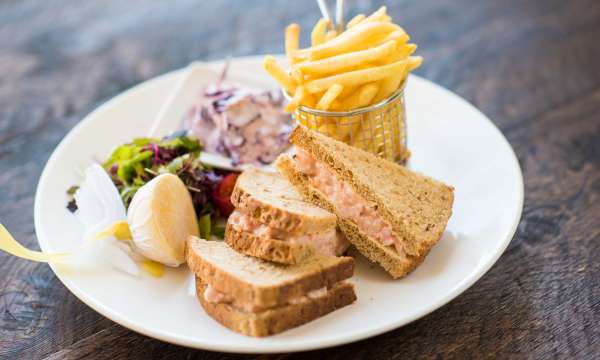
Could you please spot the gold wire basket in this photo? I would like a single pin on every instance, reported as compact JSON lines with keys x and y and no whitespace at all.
{"x":379,"y":129}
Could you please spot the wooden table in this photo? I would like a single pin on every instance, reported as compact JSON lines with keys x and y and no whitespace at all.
{"x":531,"y":66}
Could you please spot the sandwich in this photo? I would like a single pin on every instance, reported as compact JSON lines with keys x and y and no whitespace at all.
{"x":391,"y":214}
{"x":258,"y":298}
{"x":273,"y":222}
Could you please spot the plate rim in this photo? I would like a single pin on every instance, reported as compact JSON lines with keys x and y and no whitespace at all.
{"x":282,"y":347}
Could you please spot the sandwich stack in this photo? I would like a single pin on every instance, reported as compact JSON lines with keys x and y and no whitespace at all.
{"x":277,"y":268}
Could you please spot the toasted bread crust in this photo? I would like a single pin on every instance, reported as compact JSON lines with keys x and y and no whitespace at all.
{"x":268,"y":296}
{"x":270,"y":199}
{"x":278,"y":319}
{"x":278,"y":251}
{"x":428,"y":201}
{"x":396,"y":265}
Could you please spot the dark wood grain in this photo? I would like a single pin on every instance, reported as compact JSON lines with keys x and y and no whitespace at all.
{"x":532,"y":66}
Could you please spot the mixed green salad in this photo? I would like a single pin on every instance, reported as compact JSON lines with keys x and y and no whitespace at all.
{"x":131,"y":165}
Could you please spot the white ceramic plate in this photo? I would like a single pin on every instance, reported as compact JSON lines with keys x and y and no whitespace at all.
{"x":450,"y":140}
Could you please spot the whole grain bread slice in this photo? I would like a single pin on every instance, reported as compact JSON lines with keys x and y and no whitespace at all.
{"x":262,"y":283}
{"x":397,"y":265}
{"x":279,"y":251}
{"x":272,"y":200}
{"x":278,"y":319}
{"x":416,"y":206}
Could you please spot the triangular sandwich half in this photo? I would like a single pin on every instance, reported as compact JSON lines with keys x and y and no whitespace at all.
{"x":273,"y":222}
{"x":391,"y":214}
{"x":259,"y":298}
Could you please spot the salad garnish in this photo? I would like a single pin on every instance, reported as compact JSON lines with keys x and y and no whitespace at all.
{"x":247,"y":125}
{"x":132,"y":165}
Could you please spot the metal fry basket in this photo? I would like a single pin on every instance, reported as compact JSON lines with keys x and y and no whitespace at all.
{"x":379,"y":129}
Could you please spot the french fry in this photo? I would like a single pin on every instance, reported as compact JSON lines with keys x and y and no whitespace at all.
{"x":379,"y":15}
{"x":355,"y":20}
{"x":406,"y":50}
{"x":317,"y":36}
{"x":361,"y":97}
{"x":403,"y":51}
{"x":280,"y":75}
{"x":330,"y":95}
{"x":331,"y":34}
{"x":345,"y":129}
{"x":388,"y":86}
{"x":326,"y":125}
{"x":336,"y":105}
{"x":366,"y":94}
{"x":348,"y":90}
{"x":399,"y":36}
{"x":414,"y":62}
{"x":309,"y":100}
{"x":296,"y":99}
{"x":347,"y":61}
{"x":297,"y":75}
{"x":357,"y":77}
{"x":298,"y":56}
{"x":354,"y":39}
{"x":350,"y":130}
{"x":292,"y":40}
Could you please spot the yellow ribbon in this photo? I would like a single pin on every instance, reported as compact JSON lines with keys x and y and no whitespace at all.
{"x":118,"y":229}
{"x":11,"y":246}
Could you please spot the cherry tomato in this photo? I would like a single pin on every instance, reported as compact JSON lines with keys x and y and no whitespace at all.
{"x":222,"y":194}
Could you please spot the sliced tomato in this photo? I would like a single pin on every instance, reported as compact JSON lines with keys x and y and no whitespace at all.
{"x":222,"y":194}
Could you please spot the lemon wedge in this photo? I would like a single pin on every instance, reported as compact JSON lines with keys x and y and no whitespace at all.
{"x":118,"y":229}
{"x":161,"y":217}
{"x":153,"y":268}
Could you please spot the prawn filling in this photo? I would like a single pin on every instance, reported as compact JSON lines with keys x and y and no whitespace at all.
{"x":330,"y":242}
{"x":347,"y":202}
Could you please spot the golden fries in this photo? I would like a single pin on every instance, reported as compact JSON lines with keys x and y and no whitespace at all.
{"x":388,"y":86}
{"x":297,"y":75}
{"x":403,"y":52}
{"x":330,"y":95}
{"x":331,"y":34}
{"x":391,"y":84}
{"x":414,"y":62}
{"x":358,"y":67}
{"x":347,"y":61}
{"x":407,"y":50}
{"x":296,"y":99}
{"x":354,"y":39}
{"x":309,"y":100}
{"x":317,"y":36}
{"x":399,"y":36}
{"x":361,"y":97}
{"x":336,"y":105}
{"x":379,"y":15}
{"x":292,"y":40}
{"x":277,"y":72}
{"x":357,"y":77}
{"x":347,"y":91}
{"x":355,"y":20}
